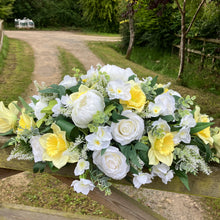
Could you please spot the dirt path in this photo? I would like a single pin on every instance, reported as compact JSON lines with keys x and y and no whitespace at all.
{"x":44,"y":43}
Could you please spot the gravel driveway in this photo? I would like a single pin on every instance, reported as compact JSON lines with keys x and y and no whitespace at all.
{"x":45,"y":43}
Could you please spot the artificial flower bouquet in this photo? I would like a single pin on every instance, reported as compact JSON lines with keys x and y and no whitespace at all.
{"x":112,"y":125}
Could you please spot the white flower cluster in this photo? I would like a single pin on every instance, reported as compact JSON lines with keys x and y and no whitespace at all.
{"x":112,"y":125}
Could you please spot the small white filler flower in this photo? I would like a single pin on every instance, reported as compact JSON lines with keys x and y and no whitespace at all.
{"x":83,"y":186}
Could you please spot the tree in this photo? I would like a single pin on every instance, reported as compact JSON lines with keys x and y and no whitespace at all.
{"x":130,"y":14}
{"x":6,"y":8}
{"x":102,"y":15}
{"x":184,"y":30}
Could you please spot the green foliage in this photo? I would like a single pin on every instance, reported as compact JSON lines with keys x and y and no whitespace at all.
{"x":208,"y":24}
{"x":47,"y":13}
{"x":101,"y":15}
{"x":6,"y":8}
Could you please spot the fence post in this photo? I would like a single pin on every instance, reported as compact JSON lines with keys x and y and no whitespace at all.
{"x":203,"y":55}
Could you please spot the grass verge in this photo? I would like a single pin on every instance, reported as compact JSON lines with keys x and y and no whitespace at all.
{"x":68,"y":61}
{"x":17,"y":71}
{"x":4,"y":52}
{"x":45,"y":191}
{"x":209,"y":102}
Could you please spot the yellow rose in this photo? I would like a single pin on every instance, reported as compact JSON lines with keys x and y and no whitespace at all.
{"x":216,"y":139}
{"x":204,"y":134}
{"x":8,"y":117}
{"x":55,"y":144}
{"x":25,"y":122}
{"x":138,"y":98}
{"x":161,"y":149}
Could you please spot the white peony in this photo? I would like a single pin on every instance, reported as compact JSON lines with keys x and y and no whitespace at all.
{"x":86,"y":104}
{"x":119,"y":90}
{"x":37,"y":149}
{"x":128,"y":130}
{"x":168,"y":103}
{"x":112,"y":163}
{"x":81,"y":166}
{"x":68,"y":82}
{"x":141,"y":178}
{"x":82,"y":186}
{"x":117,"y":73}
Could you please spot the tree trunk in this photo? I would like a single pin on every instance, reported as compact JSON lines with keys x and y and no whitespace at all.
{"x":131,"y":41}
{"x":182,"y":46}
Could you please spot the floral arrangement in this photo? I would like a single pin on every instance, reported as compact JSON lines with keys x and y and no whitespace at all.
{"x":112,"y":125}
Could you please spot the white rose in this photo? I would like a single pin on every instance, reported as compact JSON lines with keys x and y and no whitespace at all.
{"x":112,"y":163}
{"x":68,"y":82}
{"x":128,"y":130}
{"x":117,"y":73}
{"x":86,"y":106}
{"x":37,"y":149}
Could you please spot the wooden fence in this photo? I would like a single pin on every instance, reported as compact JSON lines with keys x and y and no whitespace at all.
{"x":214,"y":56}
{"x":1,"y":34}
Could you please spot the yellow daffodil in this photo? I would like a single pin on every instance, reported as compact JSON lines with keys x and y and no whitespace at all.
{"x":205,"y":133}
{"x":161,"y":149}
{"x":25,"y":122}
{"x":8,"y":117}
{"x":138,"y":98}
{"x":55,"y":144}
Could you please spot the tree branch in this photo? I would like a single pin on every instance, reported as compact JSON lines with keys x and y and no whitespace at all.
{"x":194,"y":17}
{"x":179,"y":7}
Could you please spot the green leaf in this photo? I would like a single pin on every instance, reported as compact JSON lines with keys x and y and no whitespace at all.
{"x":200,"y":126}
{"x":34,"y":100}
{"x":10,"y":132}
{"x":26,"y":106}
{"x":51,"y":166}
{"x":103,"y":151}
{"x":134,"y":158}
{"x":39,"y":167}
{"x":65,"y":125}
{"x":183,"y":177}
{"x":48,"y":109}
{"x":7,"y":143}
{"x":154,"y":81}
{"x":168,"y":118}
{"x":204,"y":148}
{"x":109,"y":108}
{"x":116,"y":116}
{"x":133,"y":170}
{"x":159,"y":91}
{"x":144,"y":157}
{"x":58,"y":89}
{"x":75,"y":88}
{"x":126,"y":151}
{"x":132,"y":77}
{"x":141,"y":146}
